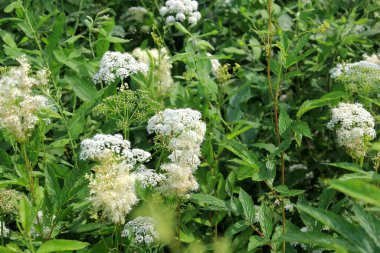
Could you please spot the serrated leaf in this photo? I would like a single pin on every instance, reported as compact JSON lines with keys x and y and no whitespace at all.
{"x":284,"y":121}
{"x":27,"y":214}
{"x":7,"y":38}
{"x":210,"y":202}
{"x":248,"y":206}
{"x":82,"y":88}
{"x":257,"y":241}
{"x":236,"y":228}
{"x":266,"y":220}
{"x":61,"y":245}
{"x":247,"y":157}
{"x":286,"y":192}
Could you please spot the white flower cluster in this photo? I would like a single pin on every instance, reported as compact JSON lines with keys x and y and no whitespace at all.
{"x":147,"y":177}
{"x":118,"y":65}
{"x":112,"y":187}
{"x":183,"y":132}
{"x":18,"y":103}
{"x":162,"y":66}
{"x":180,"y":10}
{"x":4,"y":232}
{"x":141,"y":229}
{"x":354,"y":127}
{"x":134,"y":19}
{"x":363,"y":75}
{"x":103,"y":145}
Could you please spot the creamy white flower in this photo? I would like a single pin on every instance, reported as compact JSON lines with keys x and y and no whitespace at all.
{"x":162,"y":67}
{"x":112,"y":189}
{"x":180,"y":10}
{"x":19,"y":105}
{"x":354,"y":126}
{"x":141,"y":229}
{"x":118,"y":65}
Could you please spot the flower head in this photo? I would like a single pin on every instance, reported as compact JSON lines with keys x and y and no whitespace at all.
{"x":180,"y":10}
{"x":354,"y":127}
{"x":118,"y":65}
{"x":142,"y":230}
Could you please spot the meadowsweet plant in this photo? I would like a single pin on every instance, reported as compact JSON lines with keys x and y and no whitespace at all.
{"x":182,"y":132}
{"x":181,"y":11}
{"x":354,"y":127}
{"x":19,"y":103}
{"x":189,"y":126}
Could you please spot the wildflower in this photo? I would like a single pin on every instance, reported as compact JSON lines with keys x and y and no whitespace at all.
{"x":9,"y":200}
{"x":159,"y":60}
{"x":118,"y":31}
{"x":147,"y":177}
{"x":19,"y":105}
{"x":118,"y":65}
{"x":141,"y":229}
{"x":354,"y":127}
{"x":359,"y":76}
{"x":180,"y":10}
{"x":215,"y":65}
{"x":182,"y":131}
{"x":112,"y":189}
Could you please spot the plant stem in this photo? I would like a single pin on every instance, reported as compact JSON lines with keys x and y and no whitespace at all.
{"x":2,"y":229}
{"x":275,"y":109}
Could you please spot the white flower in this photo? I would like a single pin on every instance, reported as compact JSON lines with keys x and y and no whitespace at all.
{"x":141,"y":229}
{"x":19,"y":105}
{"x":215,"y":65}
{"x":102,"y":145}
{"x":147,"y":177}
{"x":112,"y":189}
{"x":180,"y":10}
{"x":118,"y":65}
{"x":162,"y":67}
{"x":354,"y":126}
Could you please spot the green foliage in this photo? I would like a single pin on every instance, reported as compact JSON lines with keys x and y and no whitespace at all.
{"x":271,"y":176}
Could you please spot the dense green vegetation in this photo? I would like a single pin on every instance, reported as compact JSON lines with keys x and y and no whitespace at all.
{"x":189,"y":126}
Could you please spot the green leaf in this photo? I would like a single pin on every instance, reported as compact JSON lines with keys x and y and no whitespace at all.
{"x":248,"y":206}
{"x":56,"y":35}
{"x":347,"y":166}
{"x":369,"y":222}
{"x":181,"y":28}
{"x":351,"y":232}
{"x":83,"y":89}
{"x":325,"y":100}
{"x":27,"y":214}
{"x":358,"y":189}
{"x":266,"y":220}
{"x":76,"y":125}
{"x":257,"y":241}
{"x":284,"y":121}
{"x":210,"y":202}
{"x":234,"y":50}
{"x":10,"y":7}
{"x":7,"y":38}
{"x":61,"y":245}
{"x":236,"y":228}
{"x":317,"y":238}
{"x":247,"y":158}
{"x":113,"y":39}
{"x":285,"y":192}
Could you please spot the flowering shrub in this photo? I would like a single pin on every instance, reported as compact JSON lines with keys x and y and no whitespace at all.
{"x":189,"y":126}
